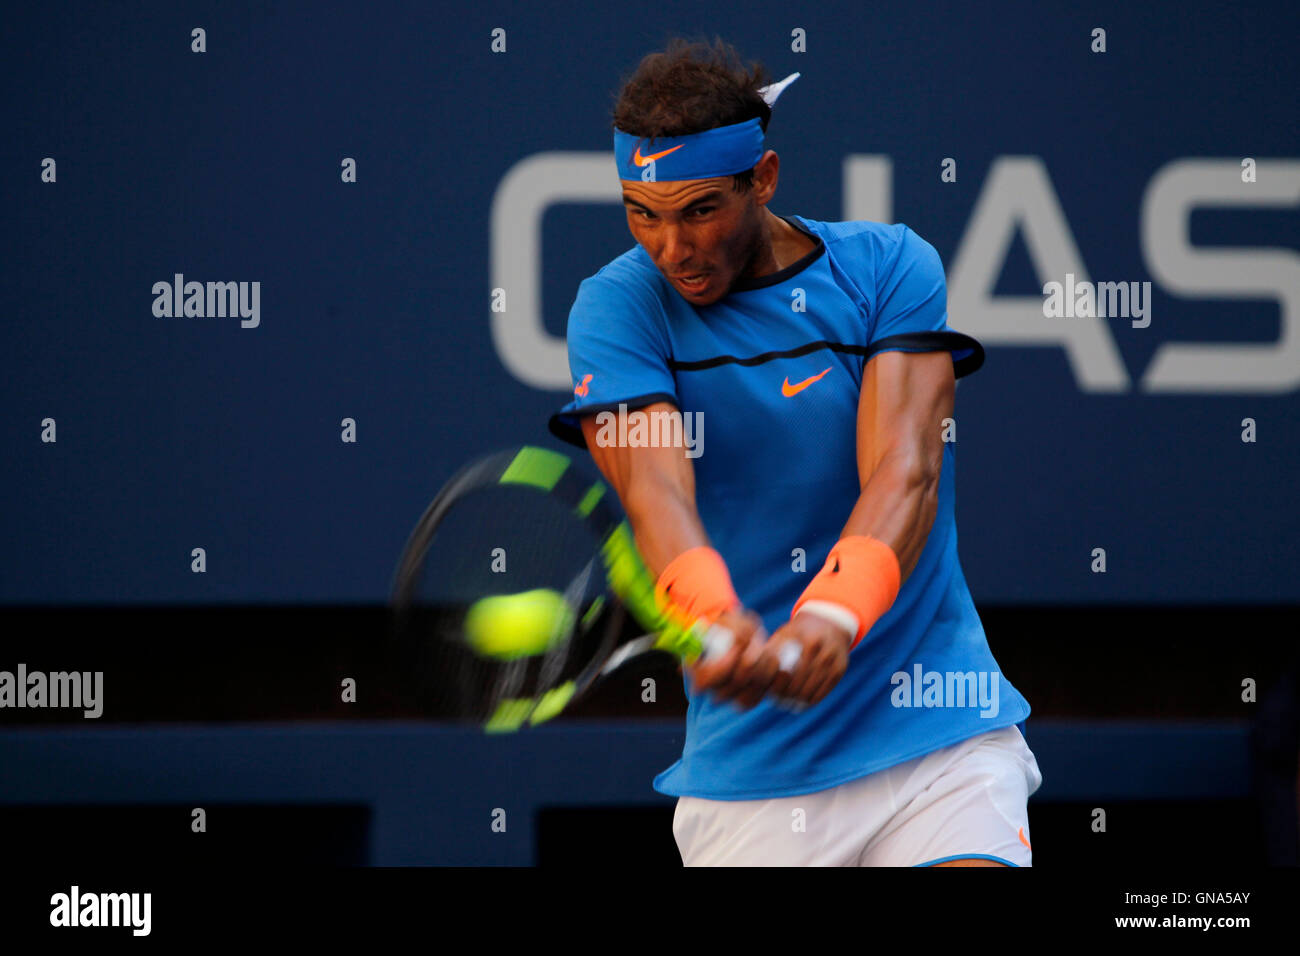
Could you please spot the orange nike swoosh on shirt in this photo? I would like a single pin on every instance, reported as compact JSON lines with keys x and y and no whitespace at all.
{"x":1023,"y":840}
{"x":647,"y":160}
{"x":787,"y":389}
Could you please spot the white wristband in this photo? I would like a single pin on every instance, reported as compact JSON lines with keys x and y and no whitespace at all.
{"x":837,"y":614}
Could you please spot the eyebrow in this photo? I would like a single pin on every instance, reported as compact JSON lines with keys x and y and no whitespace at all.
{"x":711,"y":196}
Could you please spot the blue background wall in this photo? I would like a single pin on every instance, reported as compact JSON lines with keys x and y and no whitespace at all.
{"x":175,"y":433}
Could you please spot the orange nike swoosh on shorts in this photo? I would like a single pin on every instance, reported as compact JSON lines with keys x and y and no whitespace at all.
{"x":1023,"y":840}
{"x":647,"y":160}
{"x":787,"y":389}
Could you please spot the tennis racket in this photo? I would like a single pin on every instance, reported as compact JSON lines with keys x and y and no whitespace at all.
{"x":514,"y":523}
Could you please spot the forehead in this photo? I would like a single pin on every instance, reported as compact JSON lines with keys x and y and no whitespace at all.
{"x":670,"y":195}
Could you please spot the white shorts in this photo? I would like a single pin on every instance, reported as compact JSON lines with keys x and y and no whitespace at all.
{"x":967,"y":800}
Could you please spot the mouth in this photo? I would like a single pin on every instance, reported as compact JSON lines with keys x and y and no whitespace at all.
{"x":693,"y":283}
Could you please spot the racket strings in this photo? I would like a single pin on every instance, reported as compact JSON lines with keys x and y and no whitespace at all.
{"x":502,"y":540}
{"x":553,"y":662}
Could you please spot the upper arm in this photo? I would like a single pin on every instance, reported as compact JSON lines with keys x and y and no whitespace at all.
{"x":905,"y":398}
{"x":618,"y":354}
{"x":656,"y":486}
{"x":618,"y":358}
{"x":911,"y":291}
{"x":906,"y":395}
{"x":635,"y":470}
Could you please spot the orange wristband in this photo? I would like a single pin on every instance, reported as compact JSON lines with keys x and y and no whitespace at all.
{"x":861,"y":573}
{"x":697,"y":582}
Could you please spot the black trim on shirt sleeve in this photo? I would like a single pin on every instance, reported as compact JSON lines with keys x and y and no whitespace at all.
{"x":967,"y":353}
{"x":564,"y":426}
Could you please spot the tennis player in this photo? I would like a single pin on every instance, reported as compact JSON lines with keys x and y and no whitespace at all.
{"x":812,"y":512}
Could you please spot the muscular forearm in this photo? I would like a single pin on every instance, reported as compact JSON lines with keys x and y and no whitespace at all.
{"x":664,"y":520}
{"x":897,"y":505}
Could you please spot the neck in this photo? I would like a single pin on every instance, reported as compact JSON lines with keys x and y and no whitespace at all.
{"x":777,"y":246}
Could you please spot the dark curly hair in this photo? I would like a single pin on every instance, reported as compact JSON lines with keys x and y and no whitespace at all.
{"x":689,"y":87}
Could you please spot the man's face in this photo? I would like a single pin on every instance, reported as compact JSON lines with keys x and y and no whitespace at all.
{"x":695,"y":227}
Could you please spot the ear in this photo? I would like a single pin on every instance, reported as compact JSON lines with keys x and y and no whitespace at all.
{"x":766,"y":173}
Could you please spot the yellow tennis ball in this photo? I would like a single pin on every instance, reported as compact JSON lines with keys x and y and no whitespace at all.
{"x":509,"y":626}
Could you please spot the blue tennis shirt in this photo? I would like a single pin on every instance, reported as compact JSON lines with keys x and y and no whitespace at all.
{"x":776,"y":481}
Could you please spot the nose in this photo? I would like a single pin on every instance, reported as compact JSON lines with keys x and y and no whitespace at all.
{"x":676,"y":250}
